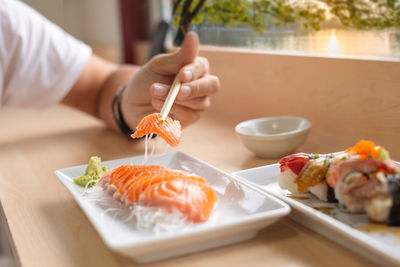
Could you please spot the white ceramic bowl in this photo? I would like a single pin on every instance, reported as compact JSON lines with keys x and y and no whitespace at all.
{"x":273,"y":137}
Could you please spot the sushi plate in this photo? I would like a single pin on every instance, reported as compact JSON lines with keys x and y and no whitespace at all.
{"x":377,"y":242}
{"x":240,"y":212}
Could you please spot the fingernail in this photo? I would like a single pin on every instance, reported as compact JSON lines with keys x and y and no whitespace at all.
{"x":160,"y":89}
{"x":188,"y":75}
{"x":185,"y":91}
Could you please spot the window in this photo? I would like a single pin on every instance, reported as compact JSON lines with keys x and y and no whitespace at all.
{"x":333,"y":41}
{"x":333,"y":28}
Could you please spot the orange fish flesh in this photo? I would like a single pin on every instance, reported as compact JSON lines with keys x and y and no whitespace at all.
{"x":168,"y":129}
{"x":161,"y":187}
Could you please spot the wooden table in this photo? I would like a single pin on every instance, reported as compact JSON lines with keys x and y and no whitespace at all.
{"x":47,"y":228}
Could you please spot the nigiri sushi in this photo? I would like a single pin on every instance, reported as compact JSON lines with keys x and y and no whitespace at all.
{"x":365,"y":179}
{"x":362,"y":178}
{"x":302,"y":173}
{"x":168,"y":129}
{"x":158,"y":186}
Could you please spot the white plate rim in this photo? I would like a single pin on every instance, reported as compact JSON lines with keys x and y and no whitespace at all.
{"x":325,"y":220}
{"x":282,"y":211}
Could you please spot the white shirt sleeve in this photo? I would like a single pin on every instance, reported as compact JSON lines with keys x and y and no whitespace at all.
{"x":39,"y":62}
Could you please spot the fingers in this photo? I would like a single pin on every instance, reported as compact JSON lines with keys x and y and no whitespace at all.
{"x":196,"y":70}
{"x":170,"y":64}
{"x":183,"y":114}
{"x":197,"y":104}
{"x":202,"y":87}
{"x":205,"y":86}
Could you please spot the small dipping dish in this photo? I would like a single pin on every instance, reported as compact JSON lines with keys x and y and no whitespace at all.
{"x":273,"y":137}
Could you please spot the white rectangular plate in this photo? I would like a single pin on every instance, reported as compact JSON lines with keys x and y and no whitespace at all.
{"x":240,"y":212}
{"x":379,"y":243}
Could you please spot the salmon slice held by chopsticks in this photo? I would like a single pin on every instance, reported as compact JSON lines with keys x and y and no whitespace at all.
{"x":168,"y":129}
{"x":160,"y":123}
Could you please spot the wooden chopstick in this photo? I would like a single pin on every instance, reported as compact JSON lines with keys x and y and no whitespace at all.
{"x":169,"y":101}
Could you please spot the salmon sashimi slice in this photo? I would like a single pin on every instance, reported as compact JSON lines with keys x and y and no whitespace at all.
{"x":141,"y":183}
{"x":130,"y":190}
{"x":178,"y":189}
{"x":168,"y":129}
{"x":118,"y":180}
{"x":123,"y":174}
{"x":193,"y":198}
{"x":120,"y":176}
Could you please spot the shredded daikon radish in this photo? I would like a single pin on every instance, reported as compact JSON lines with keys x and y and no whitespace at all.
{"x":158,"y":219}
{"x":155,"y":219}
{"x":90,"y":189}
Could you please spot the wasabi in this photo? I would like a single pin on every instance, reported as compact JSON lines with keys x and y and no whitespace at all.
{"x":93,"y":173}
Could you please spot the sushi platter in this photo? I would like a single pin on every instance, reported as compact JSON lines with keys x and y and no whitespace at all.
{"x":240,"y":212}
{"x":378,"y":242}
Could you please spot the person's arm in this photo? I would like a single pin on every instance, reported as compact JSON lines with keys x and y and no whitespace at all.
{"x":147,"y":86}
{"x":95,"y":88}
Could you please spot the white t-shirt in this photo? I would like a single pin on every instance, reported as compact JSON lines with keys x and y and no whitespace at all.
{"x":39,"y":62}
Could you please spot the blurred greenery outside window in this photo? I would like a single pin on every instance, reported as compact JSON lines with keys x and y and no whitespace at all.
{"x":332,"y":28}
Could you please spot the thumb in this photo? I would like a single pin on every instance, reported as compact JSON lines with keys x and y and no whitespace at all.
{"x":189,"y":50}
{"x":170,"y":64}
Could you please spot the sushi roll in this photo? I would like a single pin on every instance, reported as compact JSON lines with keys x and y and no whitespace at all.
{"x":301,"y":173}
{"x":365,"y":179}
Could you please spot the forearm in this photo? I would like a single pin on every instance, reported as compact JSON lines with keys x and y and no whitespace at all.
{"x":119,"y":77}
{"x":95,"y":88}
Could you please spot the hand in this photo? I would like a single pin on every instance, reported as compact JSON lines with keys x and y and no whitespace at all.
{"x":149,"y":87}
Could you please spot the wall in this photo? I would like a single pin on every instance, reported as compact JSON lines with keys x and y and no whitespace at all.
{"x":96,"y":22}
{"x":351,"y":98}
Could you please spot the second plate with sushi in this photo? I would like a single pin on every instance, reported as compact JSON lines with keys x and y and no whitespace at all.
{"x":377,"y":242}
